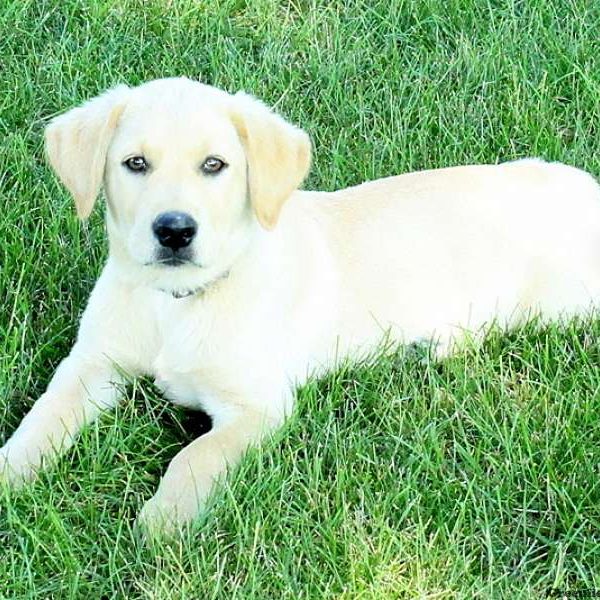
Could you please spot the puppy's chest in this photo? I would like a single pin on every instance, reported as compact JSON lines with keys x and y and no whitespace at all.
{"x":196,"y":357}
{"x":177,"y":368}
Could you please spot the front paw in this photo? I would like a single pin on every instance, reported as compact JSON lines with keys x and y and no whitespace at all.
{"x":185,"y":488}
{"x":15,"y":468}
{"x":168,"y":515}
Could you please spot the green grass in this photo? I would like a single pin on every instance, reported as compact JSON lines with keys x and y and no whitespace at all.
{"x":475,"y":477}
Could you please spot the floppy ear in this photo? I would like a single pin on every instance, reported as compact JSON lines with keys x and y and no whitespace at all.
{"x":278,"y":156}
{"x":77,"y":143}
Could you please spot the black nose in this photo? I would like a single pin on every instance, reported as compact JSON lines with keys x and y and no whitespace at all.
{"x":174,"y":229}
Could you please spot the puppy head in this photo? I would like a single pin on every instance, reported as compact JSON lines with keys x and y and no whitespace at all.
{"x":189,"y":172}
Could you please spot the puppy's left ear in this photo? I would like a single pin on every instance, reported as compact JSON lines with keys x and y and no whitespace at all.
{"x":77,"y":143}
{"x":278,"y":155}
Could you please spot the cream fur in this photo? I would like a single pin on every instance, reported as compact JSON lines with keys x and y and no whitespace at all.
{"x":289,"y":280}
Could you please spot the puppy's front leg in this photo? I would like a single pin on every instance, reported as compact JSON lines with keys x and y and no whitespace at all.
{"x":81,"y":387}
{"x":193,"y":472}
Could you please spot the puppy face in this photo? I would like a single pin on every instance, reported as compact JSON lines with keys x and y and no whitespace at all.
{"x":190,"y":172}
{"x":176,"y":184}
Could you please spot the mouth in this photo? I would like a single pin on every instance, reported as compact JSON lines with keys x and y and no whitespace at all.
{"x":170,"y":258}
{"x":173,"y":261}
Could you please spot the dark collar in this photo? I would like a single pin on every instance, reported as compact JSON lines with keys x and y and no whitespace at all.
{"x":199,"y":291}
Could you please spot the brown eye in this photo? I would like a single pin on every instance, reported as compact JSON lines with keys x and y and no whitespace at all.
{"x":213,"y":165}
{"x":137,"y":164}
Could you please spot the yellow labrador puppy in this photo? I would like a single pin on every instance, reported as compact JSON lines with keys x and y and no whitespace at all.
{"x":229,"y":286}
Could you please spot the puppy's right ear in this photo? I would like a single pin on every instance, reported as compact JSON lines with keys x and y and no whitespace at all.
{"x":77,"y":143}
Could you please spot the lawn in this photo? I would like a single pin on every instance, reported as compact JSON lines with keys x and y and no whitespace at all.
{"x":474,"y":477}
